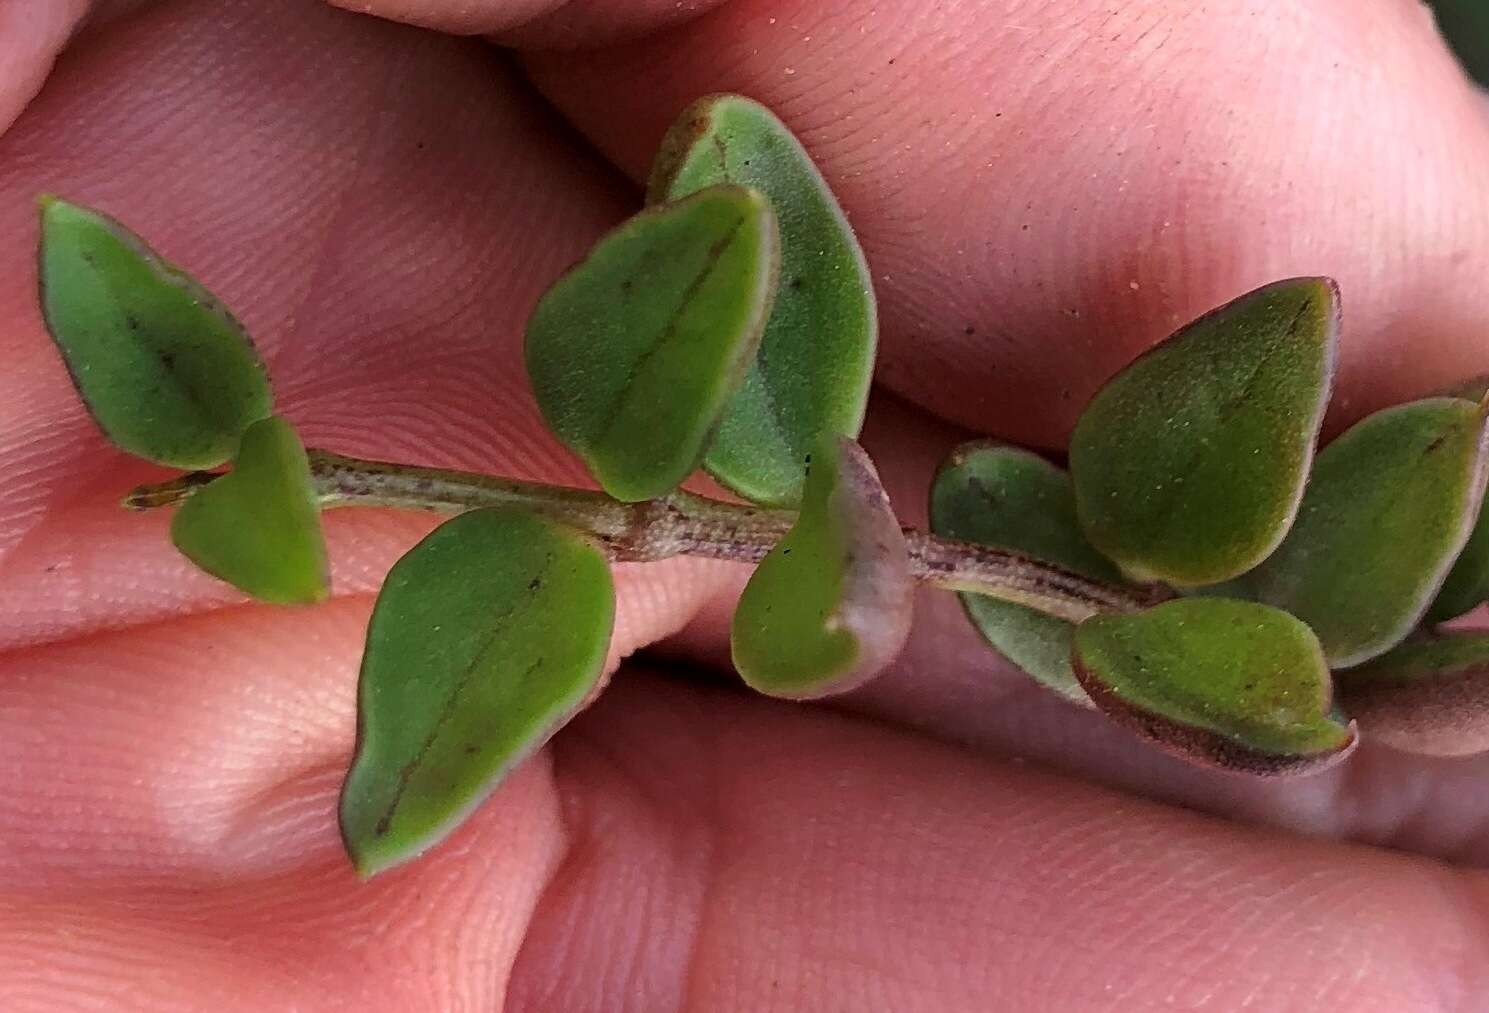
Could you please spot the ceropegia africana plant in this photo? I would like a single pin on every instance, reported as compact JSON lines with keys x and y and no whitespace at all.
{"x":1204,"y":572}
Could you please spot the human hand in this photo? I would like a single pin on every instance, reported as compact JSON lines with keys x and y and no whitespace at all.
{"x":1042,"y":191}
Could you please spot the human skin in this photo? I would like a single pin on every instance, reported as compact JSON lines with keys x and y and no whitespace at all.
{"x":1043,"y":189}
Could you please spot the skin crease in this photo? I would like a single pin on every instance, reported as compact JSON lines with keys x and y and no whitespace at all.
{"x":382,"y":205}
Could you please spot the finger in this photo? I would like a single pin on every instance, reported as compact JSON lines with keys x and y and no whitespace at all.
{"x":1044,"y":190}
{"x":544,"y":23}
{"x":167,"y":833}
{"x":678,"y":849}
{"x":31,"y":36}
{"x":818,"y":862}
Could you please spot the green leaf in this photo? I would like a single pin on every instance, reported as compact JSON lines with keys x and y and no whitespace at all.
{"x":634,"y":353}
{"x":1430,"y":695}
{"x":1232,"y":683}
{"x":487,"y":637}
{"x":831,"y":604}
{"x":817,"y":357}
{"x":167,"y":373}
{"x":1003,"y":496}
{"x":1190,"y":463}
{"x":1389,"y":507}
{"x":259,"y":526}
{"x":1467,"y":583}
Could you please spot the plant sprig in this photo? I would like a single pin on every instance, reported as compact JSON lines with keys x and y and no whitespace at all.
{"x":1203,"y":574}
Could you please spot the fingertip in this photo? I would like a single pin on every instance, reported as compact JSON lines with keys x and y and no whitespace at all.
{"x":540,"y":24}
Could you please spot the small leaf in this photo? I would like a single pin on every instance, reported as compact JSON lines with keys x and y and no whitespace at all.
{"x":487,"y":637}
{"x":1389,"y":507}
{"x":1232,"y":683}
{"x":259,"y":526}
{"x":634,"y":353}
{"x":1190,"y":463}
{"x":831,"y":604}
{"x":1428,"y":696}
{"x":817,"y":356}
{"x":167,"y":373}
{"x":998,"y":495}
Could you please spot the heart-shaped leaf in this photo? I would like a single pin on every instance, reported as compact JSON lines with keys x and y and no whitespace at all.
{"x":259,"y":526}
{"x":167,"y":373}
{"x":487,"y":637}
{"x":1003,"y":496}
{"x":634,"y":353}
{"x":1190,"y":463}
{"x":831,"y":604}
{"x":1430,"y":695}
{"x":1232,"y":683}
{"x":817,"y":356}
{"x":1389,"y":507}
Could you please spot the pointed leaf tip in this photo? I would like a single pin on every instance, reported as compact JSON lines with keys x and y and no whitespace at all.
{"x":831,"y":604}
{"x":164,"y":369}
{"x":817,"y":354}
{"x":1229,"y":683}
{"x":259,"y":526}
{"x":1190,"y":463}
{"x":634,"y":353}
{"x":486,"y":638}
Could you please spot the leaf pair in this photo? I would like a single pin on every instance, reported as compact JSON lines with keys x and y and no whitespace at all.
{"x":1231,"y":683}
{"x":171,"y":377}
{"x":731,"y":324}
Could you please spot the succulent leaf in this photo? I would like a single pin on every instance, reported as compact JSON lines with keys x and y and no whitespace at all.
{"x":487,"y":637}
{"x":1389,"y":507}
{"x":1190,"y":463}
{"x":258,"y":527}
{"x":817,"y":355}
{"x":164,"y":369}
{"x":634,"y":353}
{"x":831,"y":604}
{"x":1236,"y":684}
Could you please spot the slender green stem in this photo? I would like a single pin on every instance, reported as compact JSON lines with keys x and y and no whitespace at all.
{"x":683,"y":524}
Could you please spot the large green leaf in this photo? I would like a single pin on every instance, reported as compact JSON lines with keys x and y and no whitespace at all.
{"x":1232,"y":683}
{"x":1430,"y":695}
{"x":1003,"y":496}
{"x":831,"y":604}
{"x":817,"y":356}
{"x":1189,"y":465}
{"x":634,"y":353}
{"x":1389,"y":507}
{"x":165,"y":370}
{"x":487,"y":636}
{"x":259,"y":526}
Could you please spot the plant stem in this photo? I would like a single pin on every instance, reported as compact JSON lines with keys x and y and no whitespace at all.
{"x":683,"y":524}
